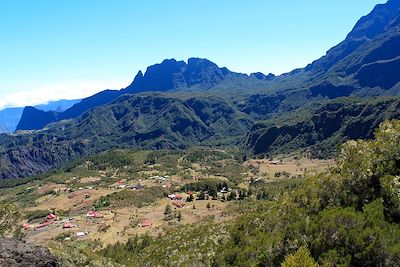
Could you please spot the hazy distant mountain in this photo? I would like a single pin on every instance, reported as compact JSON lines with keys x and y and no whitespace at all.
{"x":34,"y":118}
{"x":10,"y":117}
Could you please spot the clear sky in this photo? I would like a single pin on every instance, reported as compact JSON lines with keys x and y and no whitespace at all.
{"x":74,"y":48}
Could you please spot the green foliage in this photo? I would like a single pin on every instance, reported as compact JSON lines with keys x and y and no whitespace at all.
{"x":345,"y":217}
{"x":283,"y":174}
{"x":36,"y":214}
{"x":126,"y":253}
{"x":102,"y":202}
{"x":301,"y":258}
{"x":213,"y":186}
{"x":61,"y":237}
{"x":320,"y":126}
{"x":112,"y":159}
{"x":167,"y":209}
{"x":391,"y":197}
{"x":137,"y":198}
{"x":9,"y":220}
{"x":199,"y":155}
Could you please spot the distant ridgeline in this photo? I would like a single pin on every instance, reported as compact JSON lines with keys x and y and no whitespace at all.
{"x":177,"y":104}
{"x":10,"y":117}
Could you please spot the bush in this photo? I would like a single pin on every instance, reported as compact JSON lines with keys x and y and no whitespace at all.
{"x":301,"y":258}
{"x":36,"y":214}
{"x":137,"y":198}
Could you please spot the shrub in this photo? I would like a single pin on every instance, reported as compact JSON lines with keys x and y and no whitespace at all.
{"x":301,"y":258}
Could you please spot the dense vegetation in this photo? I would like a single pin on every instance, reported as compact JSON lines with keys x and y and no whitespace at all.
{"x":319,"y":128}
{"x":131,"y":198}
{"x":348,"y":216}
{"x":199,"y":103}
{"x":208,"y":121}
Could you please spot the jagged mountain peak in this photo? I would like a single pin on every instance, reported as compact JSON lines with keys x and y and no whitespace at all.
{"x":171,"y":74}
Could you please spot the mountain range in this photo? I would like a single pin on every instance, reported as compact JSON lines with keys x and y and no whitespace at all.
{"x":10,"y":117}
{"x":176,"y":104}
{"x":169,"y":76}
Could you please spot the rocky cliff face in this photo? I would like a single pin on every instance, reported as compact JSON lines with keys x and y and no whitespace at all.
{"x":178,"y":75}
{"x":197,"y":74}
{"x":148,"y":120}
{"x":17,"y":253}
{"x":322,"y":129}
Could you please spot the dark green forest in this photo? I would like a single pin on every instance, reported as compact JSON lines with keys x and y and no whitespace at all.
{"x":348,"y":216}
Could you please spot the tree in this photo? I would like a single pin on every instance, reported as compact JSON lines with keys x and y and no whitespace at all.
{"x":213,"y":190}
{"x":9,"y":217}
{"x":179,"y":216}
{"x":391,"y":197}
{"x":232,"y":196}
{"x":190,"y":198}
{"x":201,"y":196}
{"x":301,"y":258}
{"x":168,"y":209}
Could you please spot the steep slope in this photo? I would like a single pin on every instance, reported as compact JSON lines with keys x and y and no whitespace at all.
{"x":153,"y":121}
{"x":369,"y":27}
{"x":197,"y":74}
{"x":32,"y":118}
{"x":15,"y":252}
{"x":170,"y":75}
{"x":10,"y":117}
{"x":322,"y":127}
{"x":194,"y":109}
{"x":88,"y":103}
{"x":366,"y":62}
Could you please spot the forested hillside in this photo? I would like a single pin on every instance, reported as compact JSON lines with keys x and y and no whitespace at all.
{"x":348,"y":216}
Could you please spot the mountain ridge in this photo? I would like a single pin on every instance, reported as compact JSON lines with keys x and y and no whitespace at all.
{"x":199,"y":103}
{"x":170,"y":75}
{"x":10,"y":117}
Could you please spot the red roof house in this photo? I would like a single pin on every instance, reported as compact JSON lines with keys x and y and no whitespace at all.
{"x":68,"y":225}
{"x":146,"y":223}
{"x":93,"y":214}
{"x":44,"y":224}
{"x":177,"y":204}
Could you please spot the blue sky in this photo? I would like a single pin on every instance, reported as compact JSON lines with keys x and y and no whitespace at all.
{"x":72,"y":49}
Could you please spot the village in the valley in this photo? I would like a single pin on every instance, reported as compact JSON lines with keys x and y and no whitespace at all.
{"x":115,"y":205}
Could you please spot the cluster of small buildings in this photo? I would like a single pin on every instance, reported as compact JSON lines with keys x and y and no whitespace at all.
{"x":121,"y":184}
{"x":160,"y":178}
{"x":66,"y":223}
{"x":175,"y":197}
{"x":50,"y":219}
